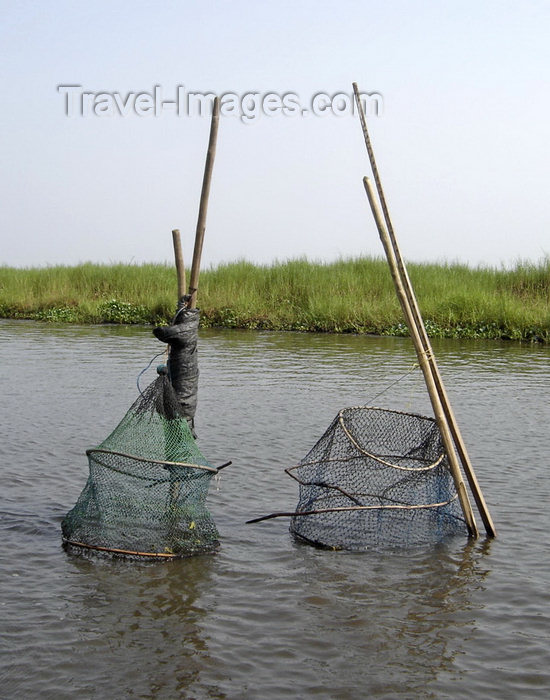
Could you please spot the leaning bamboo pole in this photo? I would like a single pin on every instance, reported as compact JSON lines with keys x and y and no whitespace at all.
{"x":203,"y":208}
{"x":424,"y":363}
{"x":417,"y":317}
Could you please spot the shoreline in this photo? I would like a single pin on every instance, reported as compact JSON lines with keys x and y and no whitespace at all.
{"x":347,"y":296}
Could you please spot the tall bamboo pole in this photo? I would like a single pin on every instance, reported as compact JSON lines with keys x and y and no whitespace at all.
{"x":417,"y":317}
{"x":205,"y":192}
{"x":424,"y":363}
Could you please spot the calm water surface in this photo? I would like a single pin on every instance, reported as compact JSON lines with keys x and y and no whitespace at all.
{"x":266,"y":617}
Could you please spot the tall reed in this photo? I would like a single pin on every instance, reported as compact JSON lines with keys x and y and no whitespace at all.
{"x":354,"y":295}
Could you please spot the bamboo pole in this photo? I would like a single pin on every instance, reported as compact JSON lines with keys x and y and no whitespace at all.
{"x":201,"y":222}
{"x":453,"y":425}
{"x":175,"y":485}
{"x":424,"y":364}
{"x":180,"y":269}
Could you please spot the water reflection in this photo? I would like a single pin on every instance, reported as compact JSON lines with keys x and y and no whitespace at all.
{"x":148,"y":618}
{"x":410,"y":614}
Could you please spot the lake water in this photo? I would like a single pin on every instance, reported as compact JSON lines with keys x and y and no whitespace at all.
{"x":267,"y":617}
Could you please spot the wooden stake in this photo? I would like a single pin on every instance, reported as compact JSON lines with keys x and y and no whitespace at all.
{"x":180,"y":269}
{"x":201,"y":222}
{"x":424,"y":364}
{"x":175,"y":486}
{"x":417,"y":317}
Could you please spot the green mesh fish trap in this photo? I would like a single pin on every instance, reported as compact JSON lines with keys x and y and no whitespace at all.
{"x":376,"y":478}
{"x":147,"y":486}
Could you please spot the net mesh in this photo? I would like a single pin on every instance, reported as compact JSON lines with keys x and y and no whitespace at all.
{"x":147,"y":485}
{"x":376,"y":478}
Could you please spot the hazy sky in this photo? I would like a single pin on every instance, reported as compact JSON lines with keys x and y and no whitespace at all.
{"x":462,"y":141}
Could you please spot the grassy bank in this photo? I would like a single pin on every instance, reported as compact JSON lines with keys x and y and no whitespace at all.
{"x":347,"y":296}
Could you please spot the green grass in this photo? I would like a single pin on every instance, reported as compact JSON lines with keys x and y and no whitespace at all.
{"x":348,"y":296}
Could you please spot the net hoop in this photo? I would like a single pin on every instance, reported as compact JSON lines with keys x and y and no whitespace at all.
{"x":147,"y":460}
{"x":128,"y":552}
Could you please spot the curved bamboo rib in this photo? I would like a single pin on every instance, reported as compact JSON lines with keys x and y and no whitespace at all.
{"x":349,"y":508}
{"x":354,"y":442}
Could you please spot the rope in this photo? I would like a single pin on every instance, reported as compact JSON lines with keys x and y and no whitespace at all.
{"x":145,"y":370}
{"x":182,"y":306}
{"x":414,"y":367}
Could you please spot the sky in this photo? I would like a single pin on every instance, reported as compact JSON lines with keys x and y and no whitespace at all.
{"x":101,"y":172}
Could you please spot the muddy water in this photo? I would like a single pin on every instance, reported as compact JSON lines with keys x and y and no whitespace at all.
{"x":267,"y":617}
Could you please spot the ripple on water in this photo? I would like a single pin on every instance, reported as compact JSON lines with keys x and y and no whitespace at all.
{"x":266,"y":616}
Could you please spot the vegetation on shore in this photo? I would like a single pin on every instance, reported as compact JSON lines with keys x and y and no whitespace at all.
{"x":348,"y":296}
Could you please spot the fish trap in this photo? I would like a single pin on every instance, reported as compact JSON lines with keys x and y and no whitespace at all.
{"x":147,"y":486}
{"x":376,"y":478}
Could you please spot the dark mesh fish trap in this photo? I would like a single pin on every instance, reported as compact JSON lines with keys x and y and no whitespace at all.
{"x":376,"y":478}
{"x":147,"y":487}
